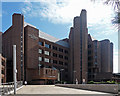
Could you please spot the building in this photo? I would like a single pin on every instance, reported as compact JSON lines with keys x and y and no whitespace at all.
{"x":43,"y":59}
{"x":36,"y":52}
{"x":100,"y":59}
{"x":79,"y":48}
{"x":2,"y":64}
{"x":2,"y":69}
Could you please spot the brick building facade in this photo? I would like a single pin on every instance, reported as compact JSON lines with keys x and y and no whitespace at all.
{"x":42,"y":58}
{"x":2,"y":69}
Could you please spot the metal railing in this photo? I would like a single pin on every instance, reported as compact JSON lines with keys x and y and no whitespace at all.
{"x":6,"y":88}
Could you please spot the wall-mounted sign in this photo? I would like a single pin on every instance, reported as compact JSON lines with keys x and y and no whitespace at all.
{"x":33,"y":36}
{"x":52,"y":76}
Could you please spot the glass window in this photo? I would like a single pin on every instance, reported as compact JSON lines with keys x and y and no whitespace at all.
{"x":54,"y":54}
{"x":46,"y":71}
{"x":55,"y":61}
{"x":66,"y":64}
{"x":95,"y":56}
{"x":89,"y":46}
{"x":54,"y":47}
{"x":95,"y":63}
{"x":46,"y":60}
{"x":60,"y":56}
{"x":89,"y":52}
{"x":47,"y":53}
{"x":66,"y":58}
{"x":41,"y":43}
{"x":40,"y":58}
{"x":66,"y":51}
{"x":47,"y":45}
{"x":60,"y":62}
{"x":40,"y":51}
{"x":60,"y":49}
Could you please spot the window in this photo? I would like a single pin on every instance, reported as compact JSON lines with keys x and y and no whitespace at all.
{"x":54,"y":47}
{"x":46,"y":71}
{"x":41,"y":43}
{"x":40,"y":51}
{"x":54,"y":54}
{"x":66,"y":58}
{"x":2,"y":72}
{"x":47,"y":45}
{"x":40,"y":58}
{"x":89,"y":58}
{"x":66,"y":70}
{"x":66,"y":64}
{"x":89,"y":64}
{"x":60,"y":56}
{"x":89,"y":52}
{"x":46,"y":60}
{"x":60,"y":49}
{"x":60,"y":62}
{"x":89,"y":46}
{"x":66,"y":51}
{"x":95,"y":56}
{"x":95,"y":63}
{"x":89,"y":70}
{"x":47,"y":53}
{"x":54,"y":61}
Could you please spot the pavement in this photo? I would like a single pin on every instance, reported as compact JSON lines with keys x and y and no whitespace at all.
{"x":52,"y":89}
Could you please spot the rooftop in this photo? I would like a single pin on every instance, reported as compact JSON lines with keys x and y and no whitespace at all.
{"x":49,"y":37}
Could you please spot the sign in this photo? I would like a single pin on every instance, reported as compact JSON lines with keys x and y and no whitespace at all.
{"x":33,"y":36}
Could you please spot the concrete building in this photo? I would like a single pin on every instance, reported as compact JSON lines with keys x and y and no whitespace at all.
{"x":100,"y":59}
{"x":106,"y":56}
{"x":79,"y":47}
{"x":43,"y":59}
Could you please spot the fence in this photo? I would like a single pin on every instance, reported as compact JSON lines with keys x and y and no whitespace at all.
{"x":6,"y":88}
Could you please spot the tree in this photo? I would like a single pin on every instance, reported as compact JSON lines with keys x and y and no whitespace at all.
{"x":116,"y":6}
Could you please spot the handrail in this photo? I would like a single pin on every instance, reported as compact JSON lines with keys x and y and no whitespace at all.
{"x":6,"y":88}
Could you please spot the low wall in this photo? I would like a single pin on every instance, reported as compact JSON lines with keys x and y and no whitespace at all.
{"x":108,"y":88}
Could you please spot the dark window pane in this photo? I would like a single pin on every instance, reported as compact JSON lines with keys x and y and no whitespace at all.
{"x":60,"y":49}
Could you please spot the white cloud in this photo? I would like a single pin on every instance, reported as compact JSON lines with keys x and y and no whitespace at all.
{"x":63,"y":11}
{"x":106,"y":32}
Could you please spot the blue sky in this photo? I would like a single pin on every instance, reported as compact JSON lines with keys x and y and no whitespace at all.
{"x":55,"y":17}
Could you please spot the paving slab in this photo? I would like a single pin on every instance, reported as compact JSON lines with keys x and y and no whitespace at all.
{"x":51,"y":89}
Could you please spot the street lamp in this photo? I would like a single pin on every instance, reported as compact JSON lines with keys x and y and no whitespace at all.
{"x":74,"y":76}
{"x":61,"y":74}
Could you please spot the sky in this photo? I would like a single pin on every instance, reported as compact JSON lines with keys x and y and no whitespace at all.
{"x":55,"y":17}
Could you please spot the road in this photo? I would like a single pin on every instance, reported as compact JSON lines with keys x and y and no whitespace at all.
{"x":51,"y":89}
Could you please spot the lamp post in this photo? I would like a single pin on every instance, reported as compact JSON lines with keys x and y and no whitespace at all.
{"x":74,"y":76}
{"x":61,"y":74}
{"x":14,"y":67}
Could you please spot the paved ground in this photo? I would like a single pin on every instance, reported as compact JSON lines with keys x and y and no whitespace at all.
{"x":51,"y":89}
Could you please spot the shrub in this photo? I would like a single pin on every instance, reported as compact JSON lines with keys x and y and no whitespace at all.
{"x":91,"y":82}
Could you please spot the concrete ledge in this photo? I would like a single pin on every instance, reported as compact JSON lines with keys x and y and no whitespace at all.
{"x":108,"y":88}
